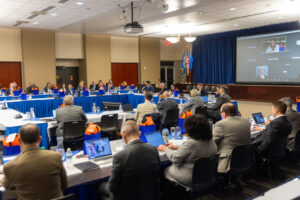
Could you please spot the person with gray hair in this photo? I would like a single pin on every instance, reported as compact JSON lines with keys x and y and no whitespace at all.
{"x":196,"y":101}
{"x":135,"y":169}
{"x":68,"y":113}
{"x":294,"y":117}
{"x":162,"y":88}
{"x":166,"y":105}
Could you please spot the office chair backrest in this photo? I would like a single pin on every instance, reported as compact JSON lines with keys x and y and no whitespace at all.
{"x":277,"y":149}
{"x":241,"y":158}
{"x":67,"y":197}
{"x":207,"y":88}
{"x":172,"y":117}
{"x":204,"y":173}
{"x":297,"y":142}
{"x":213,"y":88}
{"x":73,"y":130}
{"x":109,"y":121}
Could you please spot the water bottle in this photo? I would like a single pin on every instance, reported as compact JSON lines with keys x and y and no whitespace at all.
{"x":60,"y":148}
{"x":94,"y":108}
{"x":180,"y":101}
{"x":178,"y":129}
{"x":32,"y":113}
{"x":5,"y":104}
{"x":69,"y":157}
{"x":120,"y":108}
{"x":165,"y":134}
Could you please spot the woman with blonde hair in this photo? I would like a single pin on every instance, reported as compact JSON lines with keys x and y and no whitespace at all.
{"x":196,"y":101}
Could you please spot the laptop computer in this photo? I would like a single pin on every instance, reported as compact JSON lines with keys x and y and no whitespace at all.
{"x":51,"y":118}
{"x":258,"y":118}
{"x":155,"y":138}
{"x":99,"y":150}
{"x":127,"y":108}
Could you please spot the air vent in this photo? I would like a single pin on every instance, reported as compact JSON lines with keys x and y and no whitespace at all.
{"x":63,"y":1}
{"x":32,"y":16}
{"x":47,"y":9}
{"x":18,"y":23}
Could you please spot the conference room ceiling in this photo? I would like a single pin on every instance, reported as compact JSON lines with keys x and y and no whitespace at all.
{"x":184,"y":17}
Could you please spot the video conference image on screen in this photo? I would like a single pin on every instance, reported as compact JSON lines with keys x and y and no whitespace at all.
{"x":269,"y":58}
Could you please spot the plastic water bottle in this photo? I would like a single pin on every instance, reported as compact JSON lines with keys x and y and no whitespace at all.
{"x":180,"y":101}
{"x":60,"y":148}
{"x":120,"y":108}
{"x":165,"y":134}
{"x":69,"y":157}
{"x":5,"y":104}
{"x":94,"y":108}
{"x":32,"y":113}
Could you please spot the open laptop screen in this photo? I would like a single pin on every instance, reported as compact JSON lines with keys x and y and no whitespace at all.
{"x":98,"y":148}
{"x":155,"y":138}
{"x":258,"y":118}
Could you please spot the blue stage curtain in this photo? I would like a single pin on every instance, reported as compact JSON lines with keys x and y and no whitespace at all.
{"x":214,"y":55}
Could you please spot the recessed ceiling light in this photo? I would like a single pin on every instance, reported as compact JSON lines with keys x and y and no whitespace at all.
{"x":54,"y":14}
{"x":35,"y":23}
{"x":80,"y":3}
{"x":232,"y":9}
{"x":236,"y":25}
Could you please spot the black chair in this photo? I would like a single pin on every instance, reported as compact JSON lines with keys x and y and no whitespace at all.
{"x":213,"y":89}
{"x":293,"y":153}
{"x":171,"y":118}
{"x":73,"y":133}
{"x":297,"y":146}
{"x":204,"y":176}
{"x":207,"y":89}
{"x":187,"y":89}
{"x":109,"y":125}
{"x":276,"y":154}
{"x":201,"y":110}
{"x":67,"y":197}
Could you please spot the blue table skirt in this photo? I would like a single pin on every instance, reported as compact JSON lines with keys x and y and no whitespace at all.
{"x":43,"y":128}
{"x":44,"y":107}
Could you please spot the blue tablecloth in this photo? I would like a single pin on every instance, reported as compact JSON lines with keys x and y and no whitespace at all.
{"x":43,"y":128}
{"x":40,"y":96}
{"x":44,"y":107}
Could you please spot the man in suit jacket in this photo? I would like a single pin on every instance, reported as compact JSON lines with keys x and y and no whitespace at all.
{"x":214,"y":112}
{"x":69,"y":113}
{"x":162,"y":88}
{"x":167,"y":104}
{"x":276,"y":132}
{"x":228,"y":133}
{"x":70,"y":90}
{"x":135,"y":170}
{"x":93,"y":86}
{"x":10,"y":90}
{"x":145,"y":108}
{"x":148,"y":87}
{"x":196,"y":101}
{"x":35,"y":173}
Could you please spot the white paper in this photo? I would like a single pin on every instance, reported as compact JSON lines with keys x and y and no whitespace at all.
{"x":11,"y":137}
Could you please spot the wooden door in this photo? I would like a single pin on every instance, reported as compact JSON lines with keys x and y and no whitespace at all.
{"x":10,"y":72}
{"x":124,"y":72}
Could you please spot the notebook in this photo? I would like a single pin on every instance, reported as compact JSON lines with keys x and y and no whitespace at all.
{"x":155,"y":138}
{"x":98,"y":149}
{"x":258,"y":118}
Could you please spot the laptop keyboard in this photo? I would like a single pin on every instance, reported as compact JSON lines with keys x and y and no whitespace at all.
{"x":103,"y":158}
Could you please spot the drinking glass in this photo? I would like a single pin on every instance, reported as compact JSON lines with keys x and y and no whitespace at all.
{"x":173,"y":131}
{"x":98,"y":109}
{"x":178,"y":131}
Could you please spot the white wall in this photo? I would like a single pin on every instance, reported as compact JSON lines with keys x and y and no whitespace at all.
{"x":10,"y":45}
{"x":69,"y":46}
{"x":124,"y":49}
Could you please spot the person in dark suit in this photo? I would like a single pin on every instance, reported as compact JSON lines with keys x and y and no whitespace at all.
{"x":109,"y":88}
{"x":172,"y":89}
{"x":294,"y":117}
{"x":214,"y":111}
{"x":68,"y":113}
{"x":93,"y":86}
{"x":148,"y":87}
{"x":135,"y":169}
{"x":80,"y":88}
{"x":167,"y":104}
{"x":35,"y":173}
{"x":276,"y":131}
{"x":10,"y":91}
{"x":70,"y":90}
{"x":48,"y":88}
{"x":163,"y":88}
{"x":200,"y":88}
{"x":31,"y":87}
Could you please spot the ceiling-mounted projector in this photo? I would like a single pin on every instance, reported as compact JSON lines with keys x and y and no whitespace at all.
{"x":133,"y":27}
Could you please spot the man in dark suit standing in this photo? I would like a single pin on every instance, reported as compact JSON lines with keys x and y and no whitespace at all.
{"x":167,"y":104}
{"x":35,"y":173}
{"x":135,"y":170}
{"x":69,"y":113}
{"x":214,"y":111}
{"x":276,"y":132}
{"x":294,"y":117}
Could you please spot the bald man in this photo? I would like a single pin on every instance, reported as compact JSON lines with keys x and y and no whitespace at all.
{"x":35,"y":174}
{"x":135,"y":170}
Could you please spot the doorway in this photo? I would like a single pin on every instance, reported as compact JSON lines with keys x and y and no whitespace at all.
{"x":67,"y":75}
{"x":167,"y":72}
{"x":10,"y":72}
